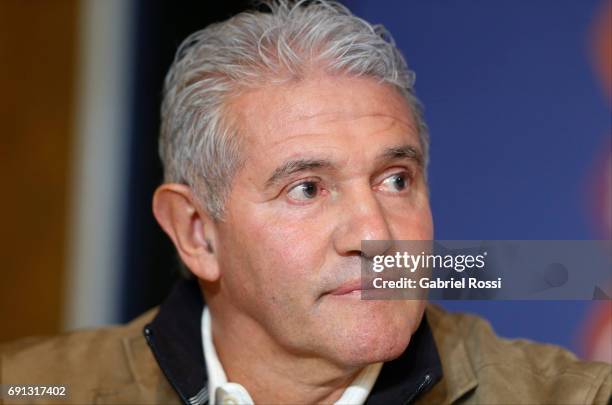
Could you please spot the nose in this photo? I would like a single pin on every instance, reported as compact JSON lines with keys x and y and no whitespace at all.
{"x":362,"y":228}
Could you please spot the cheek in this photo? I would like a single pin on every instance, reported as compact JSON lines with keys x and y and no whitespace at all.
{"x":412,"y":223}
{"x":284,"y":254}
{"x":298,"y":248}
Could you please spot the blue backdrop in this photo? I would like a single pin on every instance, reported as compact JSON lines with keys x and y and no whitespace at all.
{"x":516,"y":117}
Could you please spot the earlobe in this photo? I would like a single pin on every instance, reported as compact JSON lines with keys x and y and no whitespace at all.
{"x":191,"y":230}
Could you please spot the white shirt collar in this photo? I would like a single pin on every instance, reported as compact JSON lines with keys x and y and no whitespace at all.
{"x":220,"y":390}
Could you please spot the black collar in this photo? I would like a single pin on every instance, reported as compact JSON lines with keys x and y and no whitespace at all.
{"x":175,"y":339}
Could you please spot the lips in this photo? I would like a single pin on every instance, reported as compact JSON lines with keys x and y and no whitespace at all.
{"x":347,"y":288}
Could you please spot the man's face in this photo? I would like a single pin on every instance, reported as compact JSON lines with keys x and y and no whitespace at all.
{"x":329,"y":162}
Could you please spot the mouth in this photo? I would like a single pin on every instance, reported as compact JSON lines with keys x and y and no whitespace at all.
{"x":349,"y":288}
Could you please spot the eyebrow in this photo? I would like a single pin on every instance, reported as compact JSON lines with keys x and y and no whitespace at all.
{"x":304,"y":164}
{"x":402,"y":152}
{"x":295,"y":166}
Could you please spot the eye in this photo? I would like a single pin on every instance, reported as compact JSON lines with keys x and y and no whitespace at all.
{"x":396,"y":183}
{"x":304,"y":191}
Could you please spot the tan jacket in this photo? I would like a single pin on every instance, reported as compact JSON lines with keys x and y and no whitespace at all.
{"x":116,"y":365}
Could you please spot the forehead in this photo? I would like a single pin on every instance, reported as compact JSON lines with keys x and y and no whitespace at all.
{"x":322,"y":112}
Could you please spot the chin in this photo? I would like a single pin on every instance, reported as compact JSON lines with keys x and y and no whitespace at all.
{"x":381,"y":336}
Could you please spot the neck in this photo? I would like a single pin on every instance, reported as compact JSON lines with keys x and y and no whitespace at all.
{"x":270,"y":373}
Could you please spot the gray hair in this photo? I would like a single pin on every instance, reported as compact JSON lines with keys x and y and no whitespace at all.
{"x":199,"y":145}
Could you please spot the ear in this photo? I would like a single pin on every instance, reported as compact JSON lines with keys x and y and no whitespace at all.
{"x":192,"y":230}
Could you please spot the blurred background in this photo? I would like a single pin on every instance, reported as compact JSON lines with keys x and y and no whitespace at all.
{"x":518,"y":99}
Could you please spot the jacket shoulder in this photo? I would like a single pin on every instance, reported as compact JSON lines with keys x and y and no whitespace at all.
{"x":90,"y":363}
{"x":517,"y":370}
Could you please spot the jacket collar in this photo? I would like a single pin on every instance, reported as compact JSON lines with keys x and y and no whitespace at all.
{"x":459,"y":374}
{"x":174,"y":337}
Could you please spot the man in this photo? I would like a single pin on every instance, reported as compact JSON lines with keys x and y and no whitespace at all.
{"x":288,"y":138}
